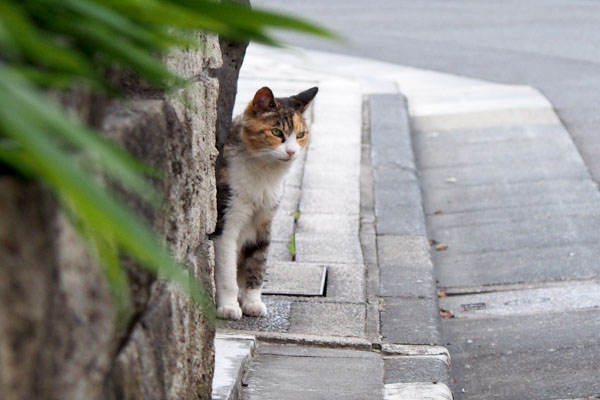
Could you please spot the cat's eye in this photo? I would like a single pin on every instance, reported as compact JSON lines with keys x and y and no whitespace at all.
{"x":300,"y":135}
{"x":277,"y":132}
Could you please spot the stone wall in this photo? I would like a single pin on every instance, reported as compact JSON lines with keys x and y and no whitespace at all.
{"x":58,"y":338}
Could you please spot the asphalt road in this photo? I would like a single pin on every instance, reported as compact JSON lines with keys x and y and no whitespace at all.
{"x":552,"y":45}
{"x":555,"y":47}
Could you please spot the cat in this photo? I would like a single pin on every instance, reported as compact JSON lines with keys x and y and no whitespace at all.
{"x":264,"y":141}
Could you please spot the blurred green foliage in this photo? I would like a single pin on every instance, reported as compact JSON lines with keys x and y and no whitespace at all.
{"x":69,"y":44}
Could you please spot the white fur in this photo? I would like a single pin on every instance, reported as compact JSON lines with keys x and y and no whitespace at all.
{"x":256,"y":181}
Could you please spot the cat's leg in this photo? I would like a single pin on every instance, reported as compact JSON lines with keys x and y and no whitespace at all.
{"x":226,"y":246}
{"x":251,"y":270}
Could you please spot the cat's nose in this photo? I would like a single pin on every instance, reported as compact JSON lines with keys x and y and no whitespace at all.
{"x":290,"y":152}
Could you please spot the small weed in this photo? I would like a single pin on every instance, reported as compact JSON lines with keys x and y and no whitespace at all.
{"x":296,"y":215}
{"x":291,"y":246}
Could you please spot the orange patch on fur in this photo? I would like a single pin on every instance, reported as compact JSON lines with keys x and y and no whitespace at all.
{"x":299,"y":127}
{"x":257,"y":135}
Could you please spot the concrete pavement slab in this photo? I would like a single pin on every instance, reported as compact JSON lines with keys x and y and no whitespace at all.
{"x":416,"y":281}
{"x":278,"y":251}
{"x":328,"y":248}
{"x":513,"y":214}
{"x":484,"y":197}
{"x":293,"y":278}
{"x":398,"y":250}
{"x":328,"y":223}
{"x":537,"y":375}
{"x":406,"y":369}
{"x":328,"y":319}
{"x":438,"y":154}
{"x":482,"y":136}
{"x":522,"y":334}
{"x":559,"y":231}
{"x":345,"y":201}
{"x":544,"y":264}
{"x":346,"y":283}
{"x":410,"y":321}
{"x":304,"y":372}
{"x":510,"y":172}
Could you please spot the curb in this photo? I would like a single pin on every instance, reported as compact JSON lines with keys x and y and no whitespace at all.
{"x":233,"y":354}
{"x":416,"y":365}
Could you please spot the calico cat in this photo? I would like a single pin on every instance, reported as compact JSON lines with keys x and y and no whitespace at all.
{"x":263,"y":143}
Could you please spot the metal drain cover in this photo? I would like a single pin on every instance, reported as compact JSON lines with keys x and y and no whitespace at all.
{"x":295,"y":279}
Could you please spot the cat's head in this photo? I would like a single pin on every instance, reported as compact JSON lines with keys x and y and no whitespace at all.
{"x":274,"y":128}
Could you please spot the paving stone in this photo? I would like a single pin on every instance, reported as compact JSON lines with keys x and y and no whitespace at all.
{"x":513,"y":214}
{"x":277,"y":319}
{"x":278,"y":251}
{"x":344,"y":154}
{"x":393,"y":176}
{"x":410,"y":321}
{"x":328,"y":248}
{"x":399,"y":210}
{"x":460,"y":199}
{"x":328,"y":319}
{"x":345,"y":201}
{"x":282,"y":226}
{"x":403,"y":250}
{"x":405,"y":369}
{"x":575,"y":261}
{"x":314,"y":373}
{"x":294,"y":176}
{"x":390,"y":133}
{"x":330,"y":176}
{"x":328,"y":223}
{"x":407,"y":281}
{"x":514,"y":172}
{"x":290,"y":199}
{"x":294,"y":279}
{"x":346,"y":283}
{"x":330,"y":132}
{"x":559,"y":231}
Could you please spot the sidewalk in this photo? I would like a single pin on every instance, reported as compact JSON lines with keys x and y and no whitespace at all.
{"x":355,"y":315}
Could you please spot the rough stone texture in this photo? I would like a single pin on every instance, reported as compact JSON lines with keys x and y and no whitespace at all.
{"x":58,"y":339}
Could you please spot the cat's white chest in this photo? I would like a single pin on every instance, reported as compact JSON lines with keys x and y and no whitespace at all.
{"x":258,"y":188}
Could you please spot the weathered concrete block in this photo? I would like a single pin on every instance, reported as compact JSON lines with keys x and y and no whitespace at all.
{"x":410,"y":321}
{"x":328,"y":319}
{"x":328,"y":248}
{"x":284,"y":374}
{"x":403,"y":250}
{"x":406,"y":369}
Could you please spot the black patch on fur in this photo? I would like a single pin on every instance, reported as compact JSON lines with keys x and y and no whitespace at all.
{"x":223,"y":197}
{"x":248,"y":249}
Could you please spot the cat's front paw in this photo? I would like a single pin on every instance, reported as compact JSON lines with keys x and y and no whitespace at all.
{"x":229,"y":312}
{"x":255,"y":309}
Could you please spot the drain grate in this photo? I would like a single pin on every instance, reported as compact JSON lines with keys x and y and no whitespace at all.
{"x":295,"y":279}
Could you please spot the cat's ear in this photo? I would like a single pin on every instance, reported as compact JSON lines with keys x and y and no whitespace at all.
{"x":303,"y":99}
{"x":263,"y":101}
